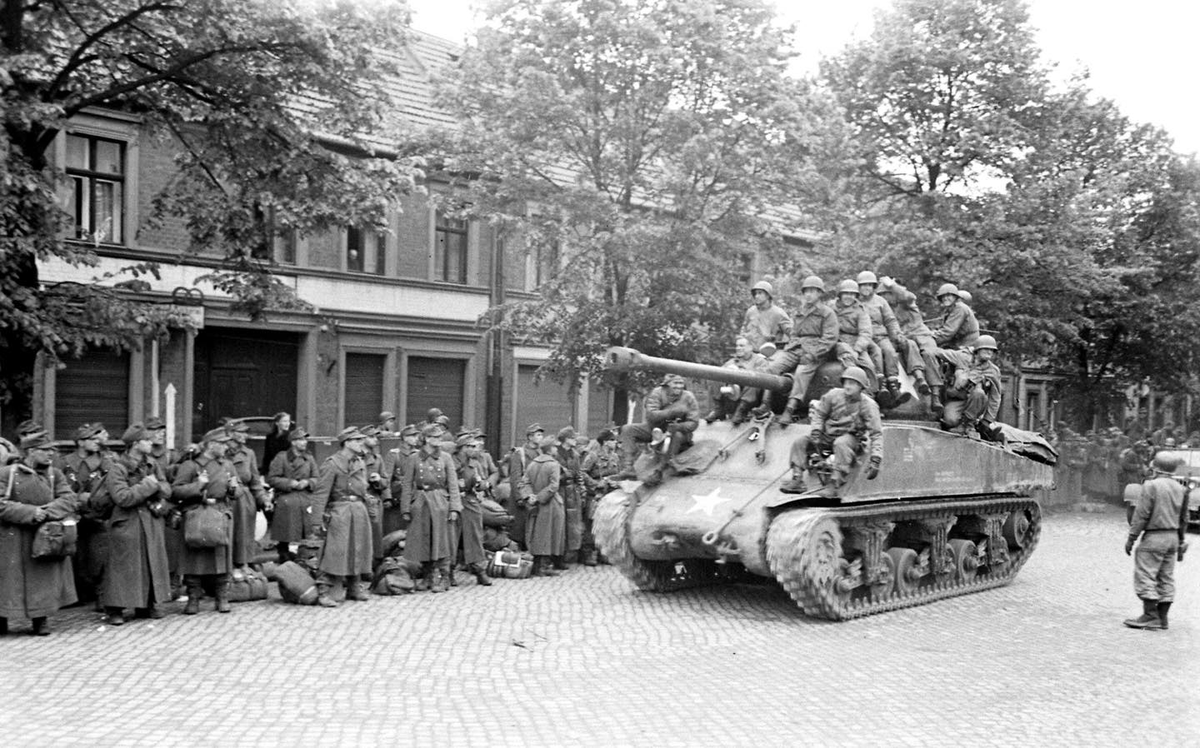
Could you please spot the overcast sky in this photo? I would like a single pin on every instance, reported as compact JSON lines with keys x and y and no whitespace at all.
{"x":1141,"y":53}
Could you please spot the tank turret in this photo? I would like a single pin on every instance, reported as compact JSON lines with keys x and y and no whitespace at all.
{"x":946,"y":515}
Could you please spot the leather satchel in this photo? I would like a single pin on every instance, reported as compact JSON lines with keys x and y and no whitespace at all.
{"x":207,"y":526}
{"x":55,"y":539}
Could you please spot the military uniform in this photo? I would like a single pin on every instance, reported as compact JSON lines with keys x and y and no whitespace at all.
{"x":725,"y":397}
{"x":394,"y":464}
{"x":249,"y":499}
{"x":474,"y":479}
{"x":86,"y":472}
{"x":814,"y":335}
{"x":974,"y":394}
{"x":958,"y":328}
{"x":598,"y":464}
{"x":33,"y":588}
{"x":770,"y":325}
{"x":845,"y":423}
{"x":518,"y":460}
{"x":677,"y":416}
{"x":885,"y":328}
{"x":854,"y":335}
{"x":207,"y":567}
{"x":138,"y":573}
{"x":379,"y":493}
{"x":1159,"y":521}
{"x":430,"y":496}
{"x":294,"y":476}
{"x":340,"y":511}
{"x":540,"y":486}
{"x":918,"y":346}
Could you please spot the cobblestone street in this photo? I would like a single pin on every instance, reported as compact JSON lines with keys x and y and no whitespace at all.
{"x":584,"y":659}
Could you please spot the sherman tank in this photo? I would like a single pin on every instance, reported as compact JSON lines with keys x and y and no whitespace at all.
{"x":947,"y":515}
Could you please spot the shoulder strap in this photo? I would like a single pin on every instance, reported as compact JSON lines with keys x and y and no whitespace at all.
{"x":12,"y":476}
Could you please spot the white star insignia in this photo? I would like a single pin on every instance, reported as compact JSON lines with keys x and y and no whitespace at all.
{"x":707,"y":503}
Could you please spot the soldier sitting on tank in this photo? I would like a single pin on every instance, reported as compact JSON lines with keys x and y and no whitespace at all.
{"x":766,"y":325}
{"x":814,"y":334}
{"x":917,"y":345}
{"x":958,"y":327}
{"x":886,"y":337}
{"x":727,"y":398}
{"x":671,"y":414}
{"x":973,"y":395}
{"x":854,"y":330}
{"x":841,"y":420}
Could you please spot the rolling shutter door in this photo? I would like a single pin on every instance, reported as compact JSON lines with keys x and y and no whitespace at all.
{"x":364,"y":387}
{"x":547,"y":402}
{"x":435,"y":383}
{"x":93,"y":388}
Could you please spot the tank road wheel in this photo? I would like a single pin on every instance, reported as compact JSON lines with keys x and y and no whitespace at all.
{"x":904,"y":569}
{"x":804,"y":551}
{"x":965,"y":562}
{"x":611,"y":529}
{"x":882,"y":589}
{"x":1017,"y":528}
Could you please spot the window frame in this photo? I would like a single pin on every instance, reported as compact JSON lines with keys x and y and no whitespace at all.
{"x":87,"y":179}
{"x":118,"y":127}
{"x":444,"y":227}
{"x":374,"y":251}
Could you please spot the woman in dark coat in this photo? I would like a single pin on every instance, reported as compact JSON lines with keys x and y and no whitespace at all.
{"x":547,"y":531}
{"x":138,"y":574}
{"x":209,"y":479}
{"x":277,"y":441}
{"x":293,"y":474}
{"x":33,"y":492}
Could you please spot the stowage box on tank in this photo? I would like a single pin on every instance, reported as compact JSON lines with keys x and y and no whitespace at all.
{"x":947,"y":514}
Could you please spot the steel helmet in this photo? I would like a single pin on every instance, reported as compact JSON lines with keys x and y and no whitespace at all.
{"x":763,"y":286}
{"x":985,"y":341}
{"x":948,"y":288}
{"x":813,"y":281}
{"x":847,"y":286}
{"x":1167,"y":462}
{"x":965,"y":296}
{"x":855,"y":374}
{"x":867,"y":276}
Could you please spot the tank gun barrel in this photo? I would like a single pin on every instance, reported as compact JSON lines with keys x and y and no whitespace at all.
{"x":628,"y":359}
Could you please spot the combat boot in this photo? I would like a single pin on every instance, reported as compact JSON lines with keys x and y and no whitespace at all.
{"x":788,"y":416}
{"x":323,"y":598}
{"x":440,"y":583}
{"x":481,"y":577}
{"x":935,"y":399}
{"x":892,"y":385}
{"x":3,"y":626}
{"x":921,"y":383}
{"x":654,"y":478}
{"x":1148,"y":619}
{"x":116,"y":616}
{"x":41,"y":626}
{"x":356,"y":591}
{"x":1163,"y":608}
{"x":764,"y":408}
{"x":589,"y":557}
{"x":425,"y":575}
{"x":223,"y":597}
{"x":194,"y":593}
{"x":830,"y":490}
{"x":560,"y":563}
{"x":541,"y":567}
{"x":796,"y":484}
{"x":741,"y":413}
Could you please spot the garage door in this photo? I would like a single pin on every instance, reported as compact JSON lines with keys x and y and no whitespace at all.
{"x":92,"y":388}
{"x":547,"y":402}
{"x":435,"y":383}
{"x":364,"y":387}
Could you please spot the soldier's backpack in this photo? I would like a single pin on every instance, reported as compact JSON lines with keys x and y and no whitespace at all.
{"x":296,"y":585}
{"x":393,"y":576}
{"x":510,"y":565}
{"x":250,"y":586}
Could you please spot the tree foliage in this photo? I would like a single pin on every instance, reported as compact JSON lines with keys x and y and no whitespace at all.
{"x":251,"y":93}
{"x":644,"y":144}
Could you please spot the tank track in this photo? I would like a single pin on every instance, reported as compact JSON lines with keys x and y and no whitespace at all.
{"x":808,"y":551}
{"x":611,"y":530}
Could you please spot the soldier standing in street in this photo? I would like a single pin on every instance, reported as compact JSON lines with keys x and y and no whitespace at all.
{"x":540,"y":490}
{"x":474,"y":484}
{"x":138,"y":574}
{"x":599,"y":465}
{"x":430,"y":505}
{"x":379,"y":491}
{"x":958,"y":327}
{"x":209,"y":479}
{"x":518,"y":461}
{"x":765,"y":322}
{"x":33,"y":491}
{"x":251,"y":496}
{"x":973,"y":397}
{"x":814,"y":334}
{"x":85,"y":468}
{"x":570,"y":488}
{"x":669,"y":409}
{"x":843,"y":419}
{"x":340,"y":517}
{"x":1160,"y":522}
{"x":294,"y":476}
{"x":394,"y":465}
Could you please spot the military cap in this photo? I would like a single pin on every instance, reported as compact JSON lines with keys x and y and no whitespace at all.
{"x":566,"y":432}
{"x":605,"y":435}
{"x":154,"y":423}
{"x":410,"y":430}
{"x":533,"y":428}
{"x":348,"y":433}
{"x":236,"y":425}
{"x":432,"y":430}
{"x":135,"y":432}
{"x":386,"y":416}
{"x":468,"y":438}
{"x":218,"y":434}
{"x":673,"y":377}
{"x":432,"y":414}
{"x":28,"y":426}
{"x":35,"y":440}
{"x":297,"y":433}
{"x":369,"y":430}
{"x":89,"y":431}
{"x":443,"y":421}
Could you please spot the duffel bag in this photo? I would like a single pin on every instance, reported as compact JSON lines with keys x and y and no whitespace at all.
{"x":55,"y":539}
{"x":510,"y":565}
{"x":393,"y":543}
{"x":392,"y":577}
{"x":495,"y":540}
{"x":494,"y":514}
{"x":246,"y":587}
{"x":207,"y":526}
{"x":296,"y":585}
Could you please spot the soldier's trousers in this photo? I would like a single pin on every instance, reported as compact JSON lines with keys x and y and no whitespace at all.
{"x":883,"y":354}
{"x":919,"y":354}
{"x":850,"y":357}
{"x":796,"y":361}
{"x":845,"y":450}
{"x":1154,"y":565}
{"x":964,"y":408}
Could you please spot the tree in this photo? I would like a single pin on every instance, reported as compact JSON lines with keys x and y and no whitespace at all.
{"x":267,"y":103}
{"x":642,"y":145}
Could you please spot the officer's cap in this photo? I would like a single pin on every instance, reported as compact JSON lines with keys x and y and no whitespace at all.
{"x":349,"y":433}
{"x":135,"y":432}
{"x":154,"y":423}
{"x":89,"y":431}
{"x":468,"y":438}
{"x":237,"y":425}
{"x":369,"y":430}
{"x":410,"y":430}
{"x":534,"y":428}
{"x":217,"y":435}
{"x":566,"y":432}
{"x":35,"y":440}
{"x":433,"y":431}
{"x":296,"y":434}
